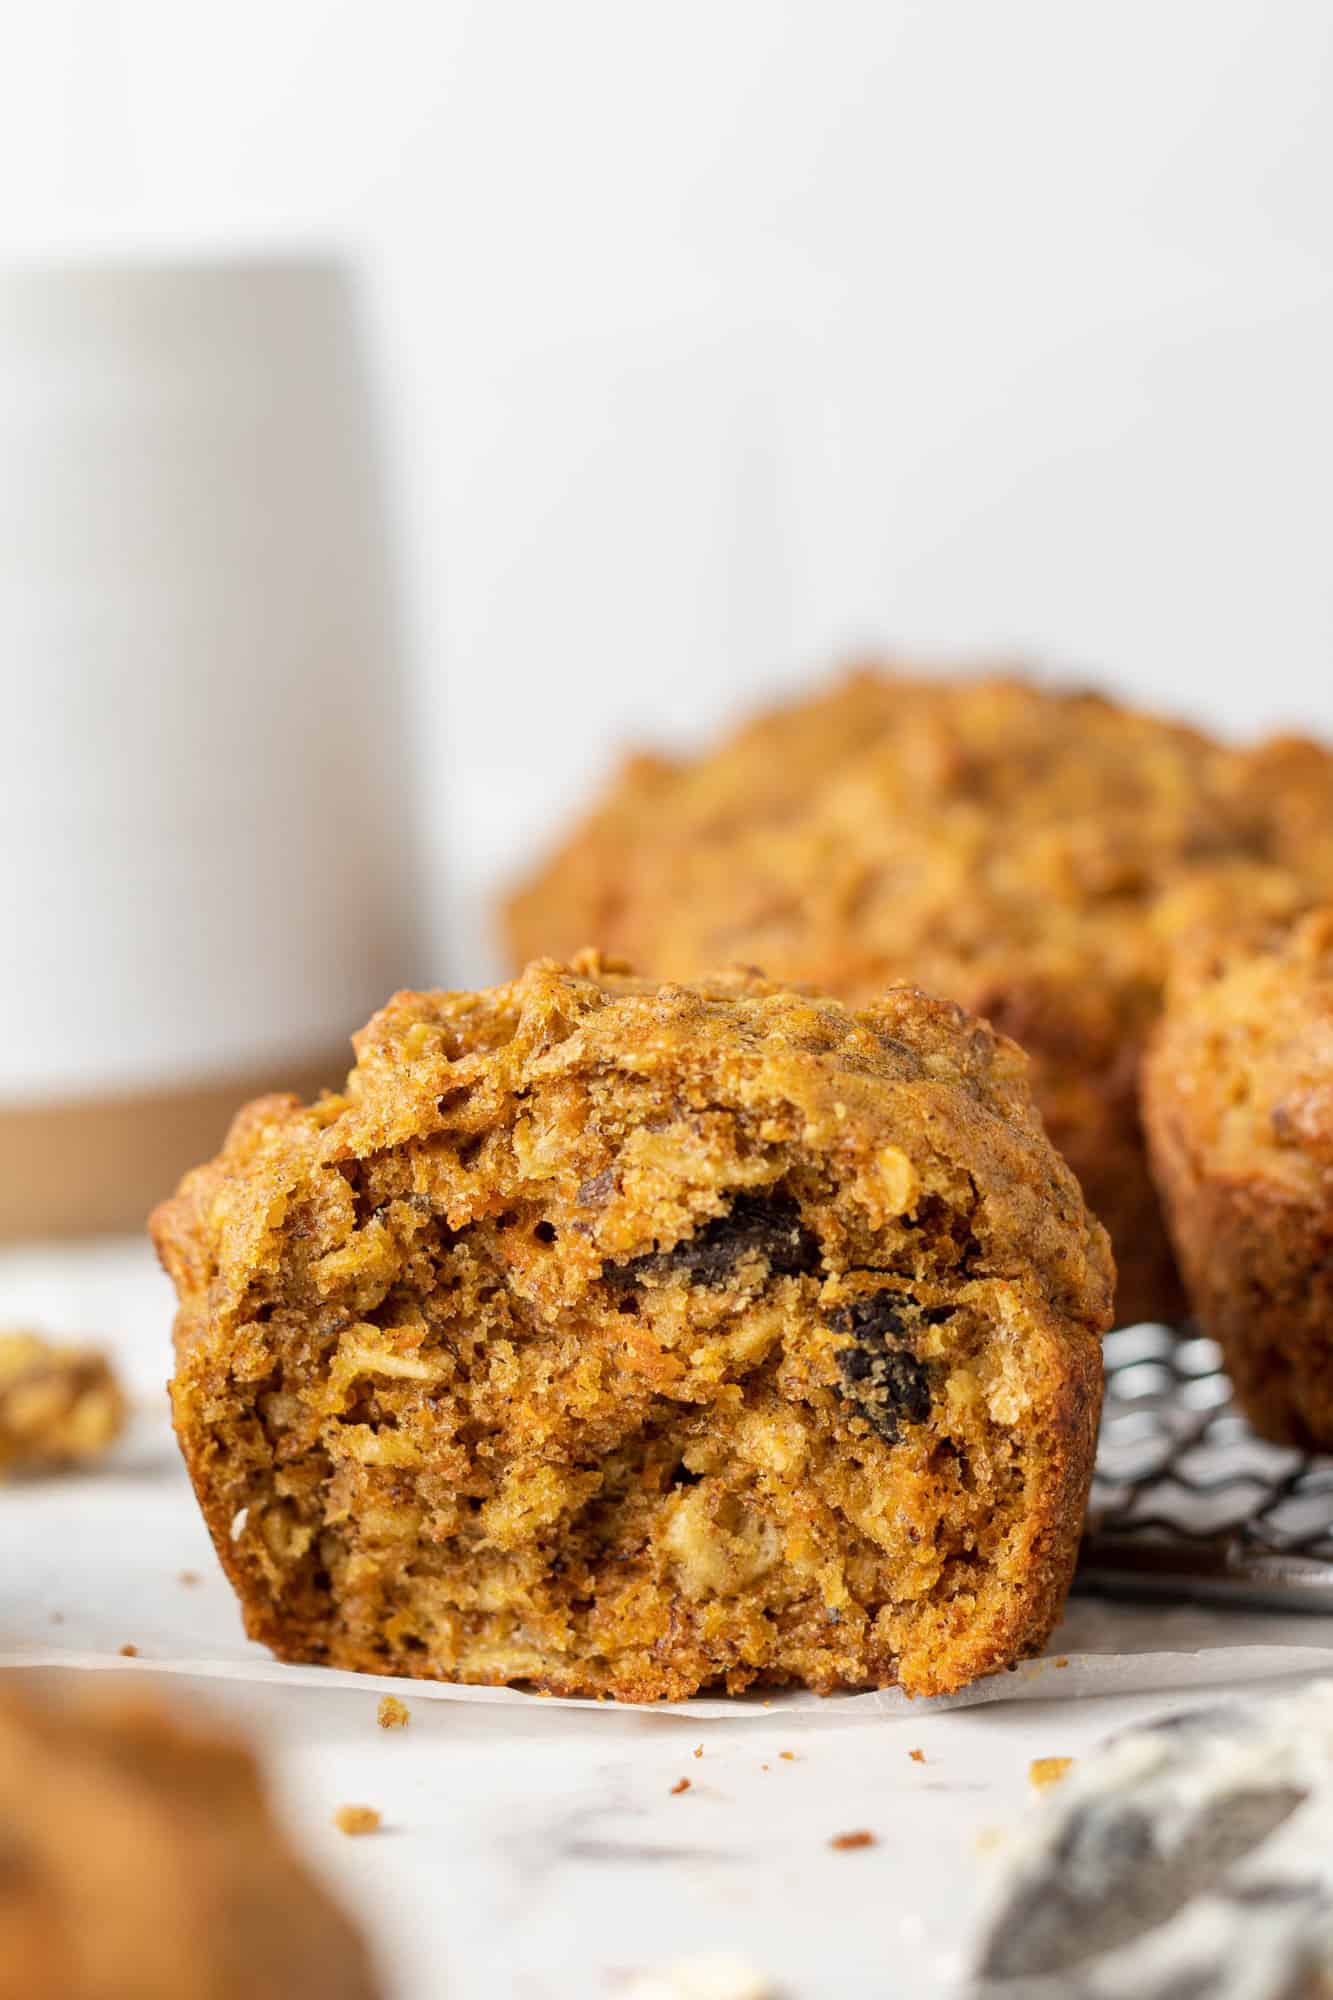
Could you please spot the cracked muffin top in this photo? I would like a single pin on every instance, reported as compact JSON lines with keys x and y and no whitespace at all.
{"x":966,"y":834}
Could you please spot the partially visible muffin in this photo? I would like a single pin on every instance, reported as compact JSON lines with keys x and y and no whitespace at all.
{"x":58,"y":1405}
{"x":631,"y":1339}
{"x":139,"y":1860}
{"x":1029,"y":852}
{"x":1238,"y":1106}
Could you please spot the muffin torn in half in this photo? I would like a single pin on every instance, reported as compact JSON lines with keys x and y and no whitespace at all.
{"x":628,"y":1339}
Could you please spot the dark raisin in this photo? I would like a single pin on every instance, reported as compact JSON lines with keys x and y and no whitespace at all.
{"x":874,"y":1318}
{"x":892,"y":1389}
{"x":544,"y":1232}
{"x":878,"y":1367}
{"x":756,"y":1225}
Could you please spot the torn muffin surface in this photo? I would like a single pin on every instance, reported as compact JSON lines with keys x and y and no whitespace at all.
{"x":629,"y":1339}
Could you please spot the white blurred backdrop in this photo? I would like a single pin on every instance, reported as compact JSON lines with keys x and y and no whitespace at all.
{"x":716,"y":339}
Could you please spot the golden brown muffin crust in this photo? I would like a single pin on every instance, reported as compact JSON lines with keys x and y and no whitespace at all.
{"x":1238,"y":1105}
{"x":1024,"y":850}
{"x":139,"y":1861}
{"x":627,"y":1338}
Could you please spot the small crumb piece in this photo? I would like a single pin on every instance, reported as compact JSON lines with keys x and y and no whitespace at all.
{"x":1063,"y":1661}
{"x":681,"y":1785}
{"x":862,"y":1837}
{"x":787,"y":1756}
{"x":1044,"y":1771}
{"x":917,"y":1756}
{"x":699,"y":1751}
{"x":392,"y":1713}
{"x":357,"y":1819}
{"x":988,"y":1838}
{"x":189,"y":1577}
{"x":763,"y":1767}
{"x":129,"y":1652}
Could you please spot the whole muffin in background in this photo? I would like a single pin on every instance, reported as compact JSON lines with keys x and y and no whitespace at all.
{"x":1028,"y":852}
{"x":627,"y":1339}
{"x":139,"y":1860}
{"x":1238,"y":1106}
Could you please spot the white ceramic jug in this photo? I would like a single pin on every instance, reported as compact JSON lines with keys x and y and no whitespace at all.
{"x":207,"y":852}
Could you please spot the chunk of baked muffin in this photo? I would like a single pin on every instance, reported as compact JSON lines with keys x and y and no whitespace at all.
{"x":139,"y":1861}
{"x":1238,"y":1104}
{"x":631,"y":1339}
{"x":58,"y":1405}
{"x":1021,"y":849}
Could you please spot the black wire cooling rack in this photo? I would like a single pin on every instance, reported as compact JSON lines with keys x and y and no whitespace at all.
{"x":1186,"y":1500}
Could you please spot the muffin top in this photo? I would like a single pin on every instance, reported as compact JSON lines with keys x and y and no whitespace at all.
{"x":1027,"y":851}
{"x":1246,"y":1047}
